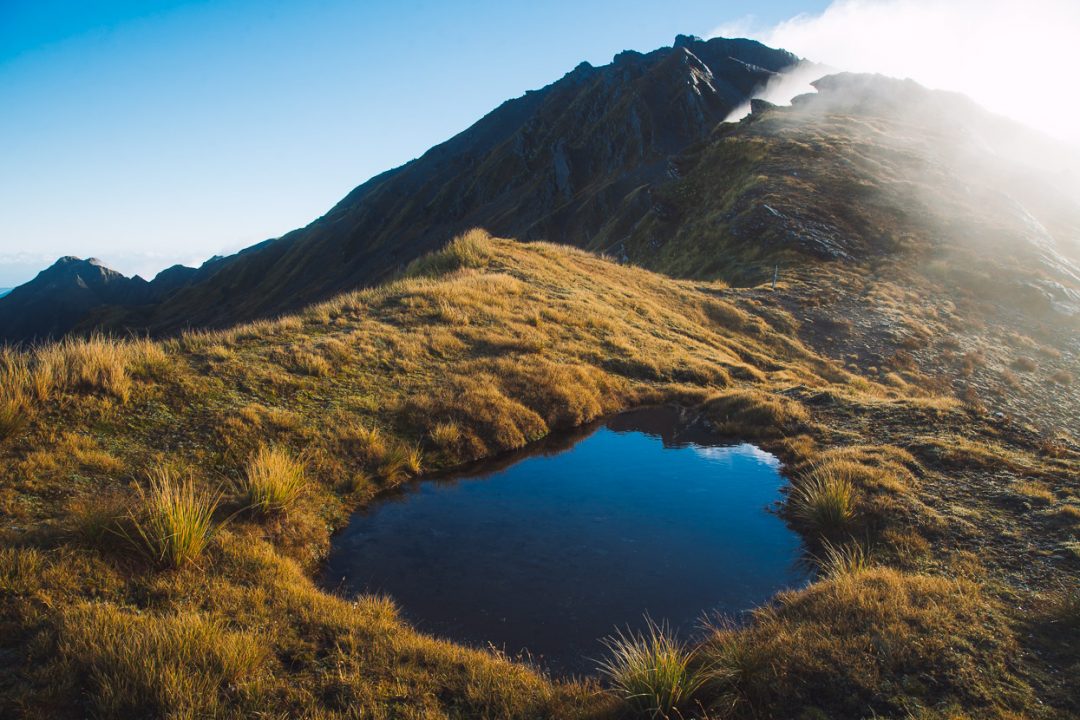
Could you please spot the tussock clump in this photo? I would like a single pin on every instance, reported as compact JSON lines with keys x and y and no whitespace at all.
{"x":96,"y":364}
{"x":564,"y":395}
{"x":844,"y":559}
{"x":399,"y":463}
{"x":14,"y":416}
{"x":470,"y":250}
{"x":833,"y":645}
{"x":824,"y":499}
{"x":308,"y":363}
{"x":179,"y":666}
{"x":273,"y":481}
{"x":652,"y":671}
{"x":754,"y":413}
{"x":964,"y":453}
{"x":366,"y":445}
{"x":491,"y":420}
{"x":736,"y":669}
{"x":445,"y":435}
{"x":20,"y":569}
{"x":97,"y":520}
{"x":174,"y":520}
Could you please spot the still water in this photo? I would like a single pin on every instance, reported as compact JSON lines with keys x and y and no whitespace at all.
{"x":549,"y":549}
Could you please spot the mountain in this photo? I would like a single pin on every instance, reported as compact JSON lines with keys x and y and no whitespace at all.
{"x":4,"y":291}
{"x":557,"y":163}
{"x":878,"y":285}
{"x":866,"y":191}
{"x":62,"y":294}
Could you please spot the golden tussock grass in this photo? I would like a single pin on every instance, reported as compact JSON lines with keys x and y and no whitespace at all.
{"x":755,"y":413}
{"x":478,"y":349}
{"x":830,"y":647}
{"x":180,"y":665}
{"x":652,"y":671}
{"x":273,"y":481}
{"x":173,"y":521}
{"x":825,"y":499}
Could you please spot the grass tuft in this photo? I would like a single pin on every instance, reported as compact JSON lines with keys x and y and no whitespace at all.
{"x":736,"y":668}
{"x":824,"y":499}
{"x":177,"y":666}
{"x":14,"y":417}
{"x":652,"y":671}
{"x":174,"y":522}
{"x":844,"y":560}
{"x":470,"y":250}
{"x":273,"y":481}
{"x":400,"y":462}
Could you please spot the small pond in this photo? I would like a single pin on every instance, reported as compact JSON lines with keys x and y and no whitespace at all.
{"x":551,"y":548}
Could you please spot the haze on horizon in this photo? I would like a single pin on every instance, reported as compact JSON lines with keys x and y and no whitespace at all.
{"x":147,"y":134}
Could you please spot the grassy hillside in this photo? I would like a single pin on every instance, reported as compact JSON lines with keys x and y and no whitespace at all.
{"x":164,"y":506}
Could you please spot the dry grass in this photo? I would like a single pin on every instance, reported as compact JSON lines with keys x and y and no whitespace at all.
{"x":14,"y":417}
{"x":490,"y":345}
{"x":470,"y":250}
{"x":181,"y":665}
{"x":844,"y":559}
{"x":273,"y":482}
{"x":174,"y":519}
{"x":754,"y":413}
{"x":831,"y":646}
{"x":652,"y":672}
{"x":824,"y":499}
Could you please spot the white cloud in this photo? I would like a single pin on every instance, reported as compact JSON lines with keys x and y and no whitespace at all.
{"x":1019,"y":59}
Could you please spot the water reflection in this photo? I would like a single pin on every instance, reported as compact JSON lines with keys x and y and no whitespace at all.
{"x":549,"y":549}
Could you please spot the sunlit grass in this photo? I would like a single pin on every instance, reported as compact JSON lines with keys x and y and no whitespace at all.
{"x":400,"y":462}
{"x":14,"y":417}
{"x":838,"y":560}
{"x":824,"y":499}
{"x":652,"y":671}
{"x":173,"y":522}
{"x":273,"y":481}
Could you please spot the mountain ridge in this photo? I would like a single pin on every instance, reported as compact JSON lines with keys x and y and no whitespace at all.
{"x":550,"y":164}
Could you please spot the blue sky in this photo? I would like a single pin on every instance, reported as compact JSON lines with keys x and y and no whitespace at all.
{"x":151,"y":132}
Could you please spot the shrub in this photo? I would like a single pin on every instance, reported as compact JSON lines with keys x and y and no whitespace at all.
{"x":273,"y":482}
{"x":1062,"y":377}
{"x":1024,"y":364}
{"x":652,"y":671}
{"x":174,"y":521}
{"x":824,"y":499}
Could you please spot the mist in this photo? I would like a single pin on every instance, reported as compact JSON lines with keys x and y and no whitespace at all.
{"x":1015,"y":59}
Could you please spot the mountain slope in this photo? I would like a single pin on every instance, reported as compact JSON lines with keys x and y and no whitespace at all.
{"x":557,"y":163}
{"x":490,"y":344}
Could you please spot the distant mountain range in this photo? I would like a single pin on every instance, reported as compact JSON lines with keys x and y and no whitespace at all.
{"x":632,"y":159}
